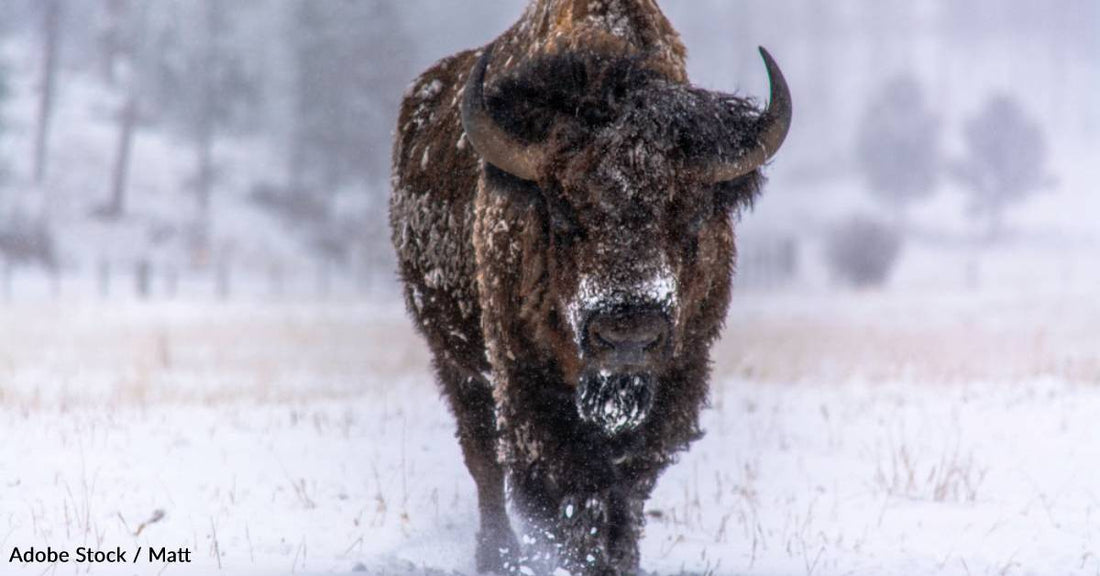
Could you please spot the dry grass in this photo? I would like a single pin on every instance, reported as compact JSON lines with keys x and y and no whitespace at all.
{"x":210,"y":354}
{"x":951,"y":476}
{"x":886,"y":338}
{"x":132,"y":354}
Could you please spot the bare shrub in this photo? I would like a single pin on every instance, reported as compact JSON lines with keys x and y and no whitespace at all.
{"x":862,"y":252}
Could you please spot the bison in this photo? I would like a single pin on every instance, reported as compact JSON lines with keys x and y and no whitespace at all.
{"x":563,"y":214}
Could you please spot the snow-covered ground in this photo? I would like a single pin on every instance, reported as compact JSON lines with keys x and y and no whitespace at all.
{"x":869,"y":434}
{"x":943,"y":426}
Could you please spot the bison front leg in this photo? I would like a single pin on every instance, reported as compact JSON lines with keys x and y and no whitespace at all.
{"x":472,"y":403}
{"x":587,"y":535}
{"x":601,"y":532}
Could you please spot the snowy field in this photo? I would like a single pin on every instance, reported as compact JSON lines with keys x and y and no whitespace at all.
{"x":869,"y":434}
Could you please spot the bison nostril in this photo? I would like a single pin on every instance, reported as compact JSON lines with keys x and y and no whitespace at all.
{"x":627,"y":332}
{"x":656,"y":343}
{"x":602,"y":340}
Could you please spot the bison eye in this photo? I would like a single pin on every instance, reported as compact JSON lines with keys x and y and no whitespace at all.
{"x":561,"y":219}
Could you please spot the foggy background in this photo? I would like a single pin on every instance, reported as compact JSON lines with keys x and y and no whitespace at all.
{"x":217,"y":149}
{"x":202,"y":344}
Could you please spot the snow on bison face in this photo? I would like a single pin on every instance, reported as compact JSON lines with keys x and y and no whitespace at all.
{"x":634,"y":179}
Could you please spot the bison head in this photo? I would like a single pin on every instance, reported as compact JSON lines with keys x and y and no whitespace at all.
{"x":633,"y":179}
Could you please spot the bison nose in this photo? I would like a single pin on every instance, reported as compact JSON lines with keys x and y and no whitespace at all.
{"x":628,"y":338}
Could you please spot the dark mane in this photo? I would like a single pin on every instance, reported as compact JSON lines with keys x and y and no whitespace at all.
{"x":589,"y":90}
{"x":570,"y":99}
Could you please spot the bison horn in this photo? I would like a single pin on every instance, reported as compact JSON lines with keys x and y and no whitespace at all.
{"x":496,"y":146}
{"x":772,"y":129}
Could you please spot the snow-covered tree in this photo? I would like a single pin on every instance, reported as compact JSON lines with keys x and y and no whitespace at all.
{"x":3,"y":94}
{"x":3,"y":100}
{"x":111,"y":36}
{"x":196,"y":68}
{"x":121,"y":48}
{"x":1005,"y":162}
{"x":899,"y":146}
{"x":351,"y":62}
{"x":51,"y":41}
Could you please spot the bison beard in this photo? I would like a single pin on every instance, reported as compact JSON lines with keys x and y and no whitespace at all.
{"x":615,"y":403}
{"x":561,"y":216}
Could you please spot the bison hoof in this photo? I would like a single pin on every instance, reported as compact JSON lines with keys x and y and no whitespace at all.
{"x":497,"y":552}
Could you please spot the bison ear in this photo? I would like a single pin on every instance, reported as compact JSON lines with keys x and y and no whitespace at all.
{"x":738,"y":194}
{"x":495,"y":145}
{"x":771,"y":129}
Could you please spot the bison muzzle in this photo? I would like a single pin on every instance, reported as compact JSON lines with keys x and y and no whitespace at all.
{"x":563,"y":212}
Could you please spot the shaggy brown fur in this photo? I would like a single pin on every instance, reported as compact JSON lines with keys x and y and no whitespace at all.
{"x":498,"y":270}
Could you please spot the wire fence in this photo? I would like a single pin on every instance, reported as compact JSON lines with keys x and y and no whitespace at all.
{"x":147,"y":280}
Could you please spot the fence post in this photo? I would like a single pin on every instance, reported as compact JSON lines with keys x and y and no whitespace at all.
{"x":324,"y":280}
{"x":222,"y":280}
{"x":103,"y":273}
{"x":9,"y":278}
{"x":55,"y":282}
{"x":141,"y":279}
{"x":171,"y":281}
{"x":275,"y":280}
